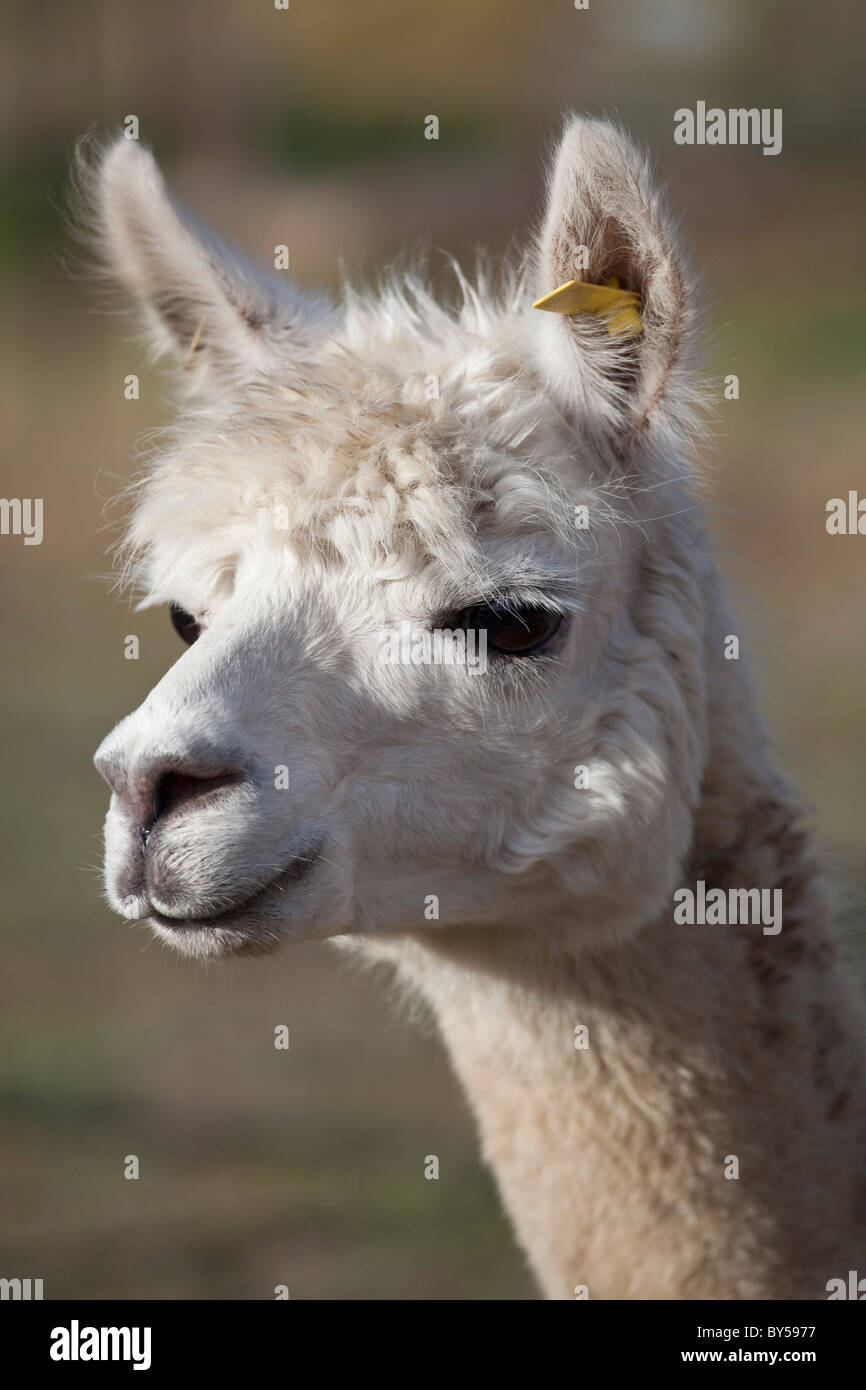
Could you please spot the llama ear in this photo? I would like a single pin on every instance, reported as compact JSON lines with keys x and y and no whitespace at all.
{"x":605,"y":224}
{"x":204,"y":303}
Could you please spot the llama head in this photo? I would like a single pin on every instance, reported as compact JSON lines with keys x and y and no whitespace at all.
{"x":341,"y":483}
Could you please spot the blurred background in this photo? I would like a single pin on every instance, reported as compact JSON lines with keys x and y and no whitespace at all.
{"x":306,"y":127}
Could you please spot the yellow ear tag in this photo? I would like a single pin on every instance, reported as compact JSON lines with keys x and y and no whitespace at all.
{"x":620,"y":309}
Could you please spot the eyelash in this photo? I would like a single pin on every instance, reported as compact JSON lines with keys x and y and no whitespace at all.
{"x":184,"y":623}
{"x":522,"y":629}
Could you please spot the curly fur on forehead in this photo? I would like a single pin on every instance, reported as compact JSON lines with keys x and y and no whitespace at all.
{"x":394,"y":424}
{"x":413,"y":431}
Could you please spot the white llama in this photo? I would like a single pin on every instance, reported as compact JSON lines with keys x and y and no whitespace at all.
{"x":511,"y":837}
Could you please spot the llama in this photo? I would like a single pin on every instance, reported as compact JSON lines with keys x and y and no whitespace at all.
{"x":671,"y":1111}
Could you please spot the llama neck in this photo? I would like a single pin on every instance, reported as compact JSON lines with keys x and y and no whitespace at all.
{"x":707,"y":1141}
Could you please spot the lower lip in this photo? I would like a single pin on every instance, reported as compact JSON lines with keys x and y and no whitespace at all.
{"x":233,"y":934}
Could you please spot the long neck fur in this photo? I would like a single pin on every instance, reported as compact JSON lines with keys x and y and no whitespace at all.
{"x":706,"y":1043}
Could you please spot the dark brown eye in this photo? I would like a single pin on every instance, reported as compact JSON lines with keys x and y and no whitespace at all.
{"x":184,"y":624}
{"x":514,"y":631}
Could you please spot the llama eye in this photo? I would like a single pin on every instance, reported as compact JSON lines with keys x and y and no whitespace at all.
{"x":184,"y":624}
{"x":512,"y":631}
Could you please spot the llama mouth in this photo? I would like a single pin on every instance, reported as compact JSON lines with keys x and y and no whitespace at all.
{"x":294,"y":872}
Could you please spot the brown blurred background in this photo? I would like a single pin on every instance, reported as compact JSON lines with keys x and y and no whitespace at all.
{"x":305,"y":1168}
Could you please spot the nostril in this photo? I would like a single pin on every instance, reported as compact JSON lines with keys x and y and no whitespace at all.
{"x":176,"y":790}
